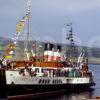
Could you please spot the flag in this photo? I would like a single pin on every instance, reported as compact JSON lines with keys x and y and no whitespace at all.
{"x":21,"y":24}
{"x":8,"y":57}
{"x":11,"y":47}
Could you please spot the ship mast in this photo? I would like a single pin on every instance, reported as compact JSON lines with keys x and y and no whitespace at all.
{"x":28,"y":30}
{"x":71,"y":40}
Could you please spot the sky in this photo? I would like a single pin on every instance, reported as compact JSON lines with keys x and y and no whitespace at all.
{"x":49,"y":18}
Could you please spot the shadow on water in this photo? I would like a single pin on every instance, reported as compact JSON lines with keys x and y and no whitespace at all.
{"x":69,"y":96}
{"x":64,"y":95}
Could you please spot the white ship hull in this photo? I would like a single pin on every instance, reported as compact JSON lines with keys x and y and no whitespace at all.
{"x":15,"y":78}
{"x":21,"y":85}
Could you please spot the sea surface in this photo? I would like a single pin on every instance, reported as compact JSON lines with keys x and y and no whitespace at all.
{"x":80,"y":95}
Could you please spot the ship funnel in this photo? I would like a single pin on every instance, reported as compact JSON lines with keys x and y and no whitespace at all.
{"x":59,"y":48}
{"x":49,"y":52}
{"x":58,"y":53}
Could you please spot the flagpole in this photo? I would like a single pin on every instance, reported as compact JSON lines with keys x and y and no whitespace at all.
{"x":28,"y":30}
{"x":35,"y":51}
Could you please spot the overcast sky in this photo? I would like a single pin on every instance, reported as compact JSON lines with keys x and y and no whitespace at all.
{"x":49,"y":17}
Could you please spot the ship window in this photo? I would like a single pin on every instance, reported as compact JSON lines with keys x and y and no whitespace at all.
{"x":53,"y":81}
{"x":57,"y":81}
{"x":36,"y":69}
{"x":42,"y":70}
{"x":43,"y":81}
{"x":46,"y":81}
{"x":39,"y":81}
{"x":67,"y":80}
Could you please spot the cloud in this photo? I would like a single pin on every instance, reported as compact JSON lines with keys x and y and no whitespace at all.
{"x":81,"y":5}
{"x":68,"y":5}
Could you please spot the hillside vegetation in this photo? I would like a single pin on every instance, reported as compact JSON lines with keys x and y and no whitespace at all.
{"x":92,"y":53}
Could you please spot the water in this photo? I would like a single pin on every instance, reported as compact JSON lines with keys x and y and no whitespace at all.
{"x":96,"y":72}
{"x":79,"y":96}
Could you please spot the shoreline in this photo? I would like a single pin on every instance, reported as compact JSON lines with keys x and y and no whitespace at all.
{"x":93,"y":60}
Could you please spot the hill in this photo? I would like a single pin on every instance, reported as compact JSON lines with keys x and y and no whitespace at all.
{"x":92,"y":53}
